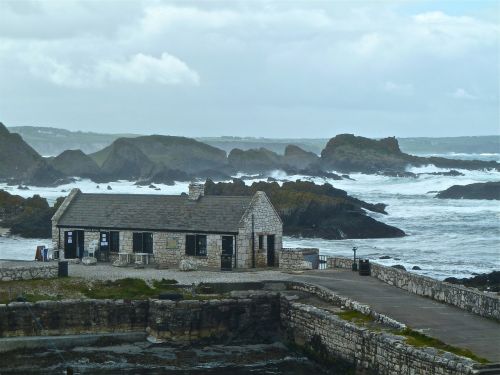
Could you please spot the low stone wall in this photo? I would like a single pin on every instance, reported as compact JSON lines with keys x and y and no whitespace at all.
{"x":71,"y":317}
{"x":27,"y":270}
{"x":323,"y":333}
{"x":298,"y":259}
{"x":465,"y":298}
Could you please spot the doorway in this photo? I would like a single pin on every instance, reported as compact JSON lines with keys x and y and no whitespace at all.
{"x":226,"y":262}
{"x":270,"y":250}
{"x":73,"y":244}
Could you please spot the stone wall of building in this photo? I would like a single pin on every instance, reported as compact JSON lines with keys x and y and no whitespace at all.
{"x":28,"y":271}
{"x":57,"y":239}
{"x":296,"y":259}
{"x":266,"y":221}
{"x":468,"y":299}
{"x":170,"y":249}
{"x":327,"y":335}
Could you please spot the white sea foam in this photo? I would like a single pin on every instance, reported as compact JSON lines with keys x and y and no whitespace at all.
{"x":445,"y":237}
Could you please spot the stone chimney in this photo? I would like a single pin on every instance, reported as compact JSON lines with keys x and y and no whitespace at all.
{"x":196,"y":191}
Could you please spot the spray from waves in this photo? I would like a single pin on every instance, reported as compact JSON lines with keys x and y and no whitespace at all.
{"x":445,"y":237}
{"x":485,"y":156}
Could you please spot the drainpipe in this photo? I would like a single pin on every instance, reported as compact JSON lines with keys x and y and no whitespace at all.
{"x":253,"y":242}
{"x":235,"y":238}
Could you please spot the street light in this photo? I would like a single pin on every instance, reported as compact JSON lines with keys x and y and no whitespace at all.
{"x":354,"y":264}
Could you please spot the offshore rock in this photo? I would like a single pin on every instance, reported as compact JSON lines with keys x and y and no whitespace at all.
{"x":311,"y":210}
{"x":349,"y":153}
{"x":486,"y":190}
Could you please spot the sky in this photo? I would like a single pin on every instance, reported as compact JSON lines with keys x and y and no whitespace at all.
{"x":283,"y":69}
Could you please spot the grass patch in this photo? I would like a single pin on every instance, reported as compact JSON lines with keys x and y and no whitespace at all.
{"x":40,"y":290}
{"x":419,"y":340}
{"x":120,"y":289}
{"x":355,"y":317}
{"x":64,"y":288}
{"x":164,"y":283}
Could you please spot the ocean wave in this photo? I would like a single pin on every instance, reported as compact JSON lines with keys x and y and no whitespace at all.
{"x":445,"y":237}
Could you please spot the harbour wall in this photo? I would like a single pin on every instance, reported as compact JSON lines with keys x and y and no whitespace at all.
{"x":465,"y":298}
{"x":322,"y":333}
{"x":252,"y":316}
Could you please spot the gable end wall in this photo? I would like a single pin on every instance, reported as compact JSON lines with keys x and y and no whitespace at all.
{"x":266,"y":222}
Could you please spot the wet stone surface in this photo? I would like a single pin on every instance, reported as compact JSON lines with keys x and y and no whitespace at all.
{"x":145,"y":358}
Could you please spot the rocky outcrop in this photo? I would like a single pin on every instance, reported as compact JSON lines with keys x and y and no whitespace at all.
{"x":159,"y":159}
{"x":124,"y":160}
{"x":486,"y":190}
{"x":20,"y":164}
{"x":254,"y":160}
{"x":27,"y":217}
{"x":163,"y":175}
{"x":298,"y":158}
{"x":75,"y":163}
{"x":179,"y":153}
{"x":349,"y":153}
{"x":311,"y":210}
{"x":486,"y":282}
{"x":16,"y":155}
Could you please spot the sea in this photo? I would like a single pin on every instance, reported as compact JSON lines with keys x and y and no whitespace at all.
{"x":445,"y":237}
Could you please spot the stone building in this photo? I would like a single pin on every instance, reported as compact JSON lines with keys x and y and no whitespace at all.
{"x":227,"y":231}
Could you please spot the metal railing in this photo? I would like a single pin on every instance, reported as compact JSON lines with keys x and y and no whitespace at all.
{"x":323,"y":262}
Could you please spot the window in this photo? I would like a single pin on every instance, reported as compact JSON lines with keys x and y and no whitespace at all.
{"x":196,"y":245}
{"x":261,"y":242}
{"x":142,"y":242}
{"x":109,"y":241}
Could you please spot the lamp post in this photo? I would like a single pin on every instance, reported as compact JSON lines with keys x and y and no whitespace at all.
{"x":354,"y":264}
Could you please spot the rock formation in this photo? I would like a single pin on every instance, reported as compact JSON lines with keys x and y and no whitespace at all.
{"x":311,"y":210}
{"x":486,"y":190}
{"x":75,"y":163}
{"x":349,"y":153}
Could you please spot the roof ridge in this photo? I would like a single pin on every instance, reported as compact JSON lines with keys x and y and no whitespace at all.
{"x":167,"y":195}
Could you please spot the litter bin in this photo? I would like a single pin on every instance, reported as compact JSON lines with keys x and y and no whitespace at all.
{"x":364,"y":267}
{"x":62,"y":270}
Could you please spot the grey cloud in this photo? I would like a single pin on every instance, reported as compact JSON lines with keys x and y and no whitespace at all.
{"x":248,"y":68}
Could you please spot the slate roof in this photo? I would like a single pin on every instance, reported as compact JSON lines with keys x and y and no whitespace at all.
{"x":212,"y":214}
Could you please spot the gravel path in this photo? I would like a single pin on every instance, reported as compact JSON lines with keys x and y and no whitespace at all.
{"x":107,"y":272}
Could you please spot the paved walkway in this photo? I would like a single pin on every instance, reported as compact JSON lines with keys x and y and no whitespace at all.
{"x":447,"y":323}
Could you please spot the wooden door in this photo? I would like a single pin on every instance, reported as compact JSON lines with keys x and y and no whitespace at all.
{"x":80,"y":242}
{"x":69,"y":245}
{"x":270,"y":250}
{"x":227,"y":253}
{"x":104,"y":245}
